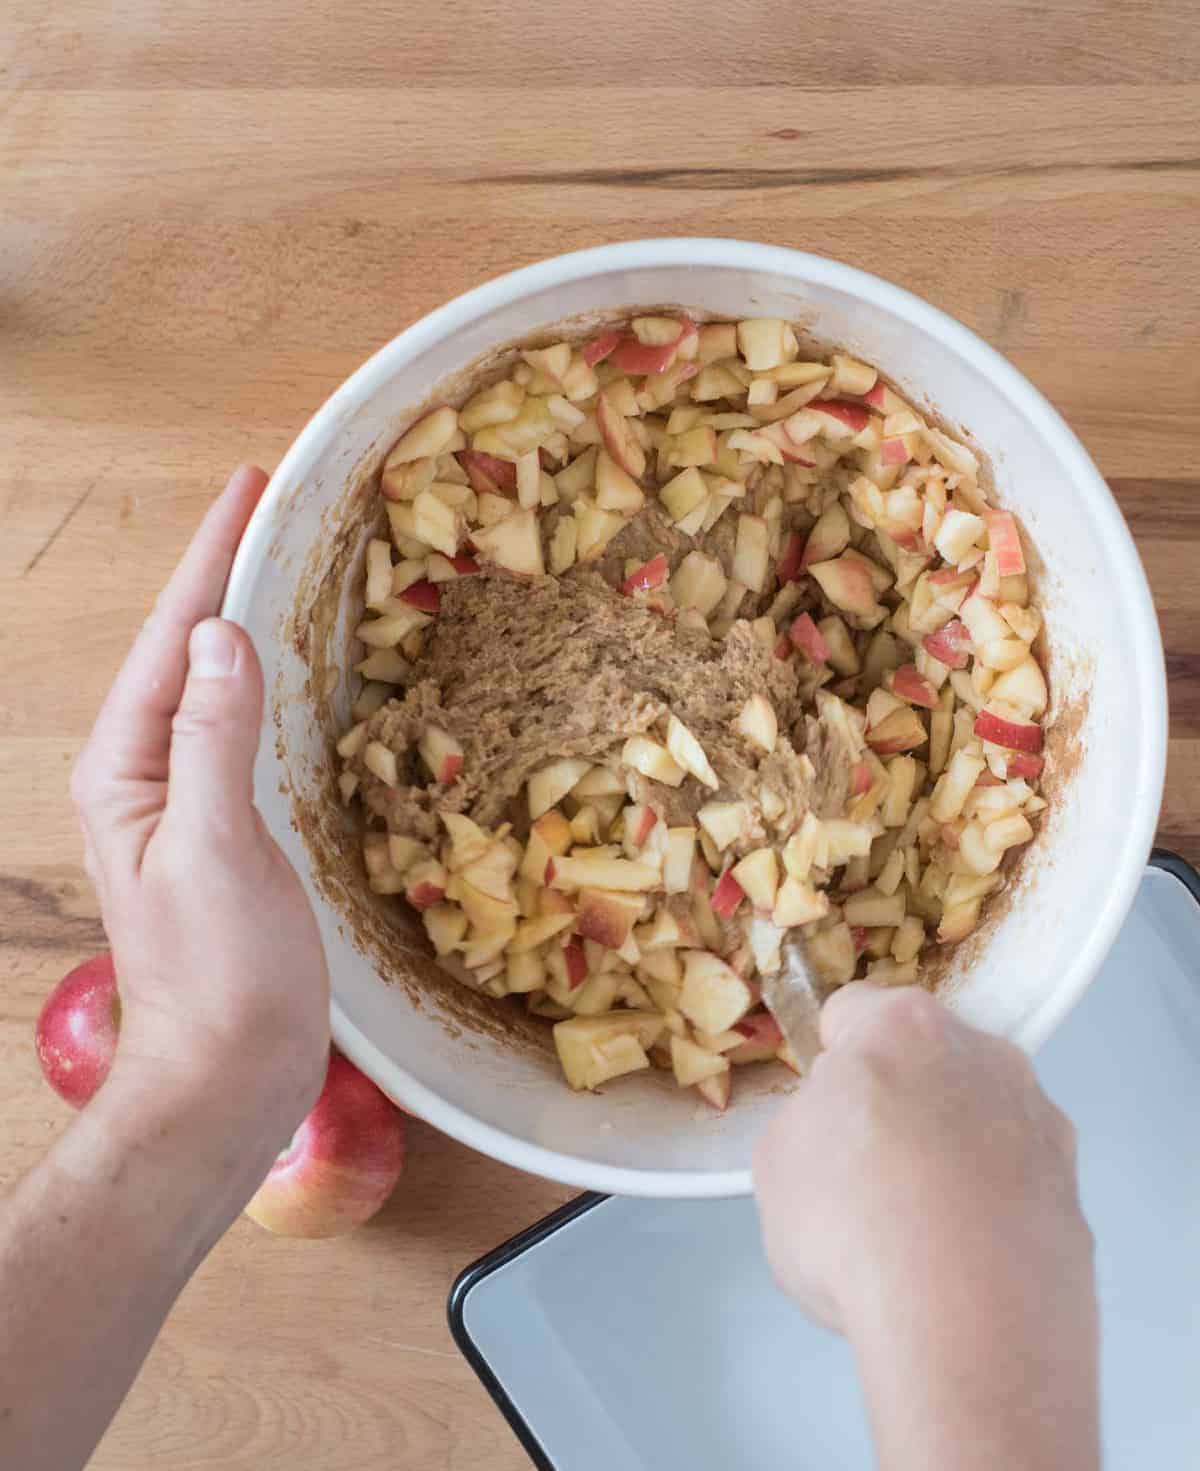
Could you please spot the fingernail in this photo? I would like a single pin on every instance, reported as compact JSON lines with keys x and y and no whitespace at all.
{"x":212,"y":649}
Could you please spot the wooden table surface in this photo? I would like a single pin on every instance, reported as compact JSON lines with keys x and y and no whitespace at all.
{"x":213,"y":213}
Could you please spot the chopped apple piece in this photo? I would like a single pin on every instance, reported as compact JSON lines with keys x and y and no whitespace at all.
{"x":805,"y":634}
{"x":445,"y":924}
{"x":684,"y":495}
{"x":619,"y":439}
{"x":649,"y":575}
{"x":798,"y":903}
{"x":751,"y":553}
{"x":652,"y":760}
{"x":725,"y":822}
{"x":607,"y":917}
{"x":727,"y":895}
{"x":689,"y":753}
{"x":1004,"y":726}
{"x":582,"y":871}
{"x":758,"y":723}
{"x":692,"y":1064}
{"x":427,"y":438}
{"x":713,"y":996}
{"x":699,"y":583}
{"x":902,"y":730}
{"x":549,"y":786}
{"x":380,"y":761}
{"x":758,"y":877}
{"x":909,"y":685}
{"x":1024,"y":688}
{"x":848,"y":585}
{"x":514,"y":544}
{"x":955,"y":785}
{"x":425,"y":884}
{"x":762,"y":342}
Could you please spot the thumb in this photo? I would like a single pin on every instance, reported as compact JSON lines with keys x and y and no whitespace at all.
{"x":214,"y":735}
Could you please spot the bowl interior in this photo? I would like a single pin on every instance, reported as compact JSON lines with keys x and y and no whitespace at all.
{"x":504,"y":1094}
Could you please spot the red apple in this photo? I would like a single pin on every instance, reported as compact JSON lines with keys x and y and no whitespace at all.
{"x":464,"y":566}
{"x":342,"y":1164}
{"x":790,"y":563}
{"x":851,"y":414}
{"x":1015,"y":735}
{"x":805,"y":634}
{"x":860,"y":778}
{"x":76,"y":1034}
{"x":599,"y":348}
{"x":650,"y":574}
{"x":1005,"y":540}
{"x":950,"y":644}
{"x":577,"y":967}
{"x":423,"y":595}
{"x":783,"y":647}
{"x":894,"y":451}
{"x":632,"y":356}
{"x":760,"y":1027}
{"x":727,"y":895}
{"x":909,"y":684}
{"x":1021,"y":763}
{"x":488,"y":472}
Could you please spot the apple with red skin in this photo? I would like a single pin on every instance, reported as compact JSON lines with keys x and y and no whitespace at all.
{"x":424,"y":595}
{"x":727,"y":895}
{"x":792,"y":561}
{"x":650,"y":574}
{"x":600,"y":347}
{"x":632,"y":356}
{"x":342,"y":1163}
{"x":464,"y":566}
{"x":860,"y":778}
{"x":1021,"y":763}
{"x":577,"y":966}
{"x":805,"y":634}
{"x":1014,"y":735}
{"x":853,"y":415}
{"x":76,"y":1036}
{"x":909,"y":684}
{"x":951,"y":644}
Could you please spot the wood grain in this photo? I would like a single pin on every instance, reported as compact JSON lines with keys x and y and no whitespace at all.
{"x":214,"y":213}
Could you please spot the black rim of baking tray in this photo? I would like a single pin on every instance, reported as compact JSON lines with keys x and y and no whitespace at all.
{"x":477,"y":1272}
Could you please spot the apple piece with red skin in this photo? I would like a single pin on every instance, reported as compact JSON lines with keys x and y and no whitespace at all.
{"x":77,"y":1028}
{"x":783,"y":647}
{"x":632,"y":356}
{"x":727,"y":895}
{"x":425,"y":884}
{"x":649,"y":575}
{"x":488,"y":472}
{"x":607,"y":917}
{"x":1023,"y":764}
{"x":860,"y":778}
{"x":1014,"y":735}
{"x":577,"y":967}
{"x":464,"y":566}
{"x":790,"y":564}
{"x":761,"y":1028}
{"x":599,"y":348}
{"x":441,"y":753}
{"x":424,"y":595}
{"x":895,"y":451}
{"x":951,"y":644}
{"x":1005,"y":540}
{"x":618,"y":438}
{"x":805,"y":634}
{"x":846,"y":583}
{"x":639,"y":823}
{"x":898,"y":732}
{"x":342,"y":1163}
{"x":911,"y":685}
{"x":884,"y":400}
{"x":858,"y":933}
{"x":828,"y":538}
{"x":716,"y":1090}
{"x":852,"y":415}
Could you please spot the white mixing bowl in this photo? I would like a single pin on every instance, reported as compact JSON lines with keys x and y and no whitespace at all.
{"x":1019,"y":977}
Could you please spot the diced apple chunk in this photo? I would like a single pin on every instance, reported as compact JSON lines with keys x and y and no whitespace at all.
{"x":692,"y":1064}
{"x":751,"y":553}
{"x":699,"y":583}
{"x":652,"y":760}
{"x":758,"y":876}
{"x":713,"y":996}
{"x":582,"y":872}
{"x":514,"y":544}
{"x":725,"y":822}
{"x":689,"y":753}
{"x":758,"y":723}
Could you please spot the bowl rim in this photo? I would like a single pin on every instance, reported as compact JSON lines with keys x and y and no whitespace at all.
{"x":680,"y":253}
